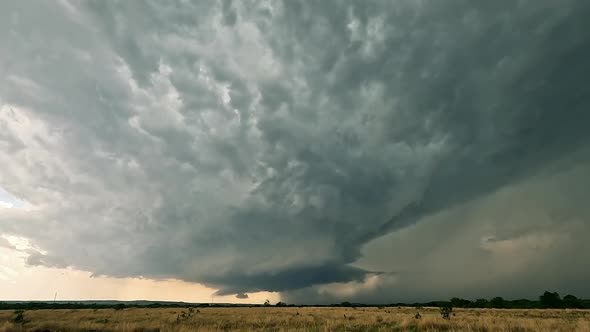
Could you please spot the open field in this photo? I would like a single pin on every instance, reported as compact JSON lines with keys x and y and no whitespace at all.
{"x":296,"y":319}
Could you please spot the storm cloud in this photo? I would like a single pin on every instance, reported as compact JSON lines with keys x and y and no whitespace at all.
{"x":326,"y":150}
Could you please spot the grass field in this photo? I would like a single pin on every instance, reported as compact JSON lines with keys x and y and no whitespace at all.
{"x":296,"y":319}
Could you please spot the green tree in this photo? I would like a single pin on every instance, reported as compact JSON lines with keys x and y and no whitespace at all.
{"x":550,"y":300}
{"x":498,"y":302}
{"x":460,"y":303}
{"x":570,"y":301}
{"x":481,"y":303}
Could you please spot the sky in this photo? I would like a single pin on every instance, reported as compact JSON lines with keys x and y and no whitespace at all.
{"x":302,"y":151}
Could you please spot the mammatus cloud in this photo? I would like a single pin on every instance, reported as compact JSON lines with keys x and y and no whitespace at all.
{"x":274,"y":145}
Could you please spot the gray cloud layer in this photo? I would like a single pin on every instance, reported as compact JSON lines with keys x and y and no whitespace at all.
{"x":271,"y":145}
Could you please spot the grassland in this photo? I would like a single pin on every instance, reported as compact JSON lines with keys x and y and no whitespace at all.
{"x":296,"y":319}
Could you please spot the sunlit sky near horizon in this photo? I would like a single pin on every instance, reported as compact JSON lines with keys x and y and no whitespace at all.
{"x":20,"y":282}
{"x":371,"y":151}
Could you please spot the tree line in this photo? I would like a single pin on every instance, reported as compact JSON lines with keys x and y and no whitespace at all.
{"x":545,"y":301}
{"x":548,"y":300}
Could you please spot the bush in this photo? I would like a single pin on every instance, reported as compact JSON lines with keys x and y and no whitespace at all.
{"x":19,"y":317}
{"x":446,"y":312}
{"x":184,"y":315}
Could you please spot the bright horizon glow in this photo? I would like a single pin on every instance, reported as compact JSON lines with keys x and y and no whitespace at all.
{"x":20,"y":282}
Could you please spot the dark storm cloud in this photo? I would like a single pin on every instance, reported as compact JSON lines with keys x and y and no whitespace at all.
{"x":515,"y":243}
{"x":261,"y":146}
{"x":287,"y":279}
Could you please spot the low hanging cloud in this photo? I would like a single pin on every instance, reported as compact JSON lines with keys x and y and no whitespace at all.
{"x":264,"y":146}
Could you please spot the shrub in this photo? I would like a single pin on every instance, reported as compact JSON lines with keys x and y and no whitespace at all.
{"x":446,"y":312}
{"x":184,"y":315}
{"x":19,"y":317}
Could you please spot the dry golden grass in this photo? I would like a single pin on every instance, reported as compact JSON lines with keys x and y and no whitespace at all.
{"x":297,"y":319}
